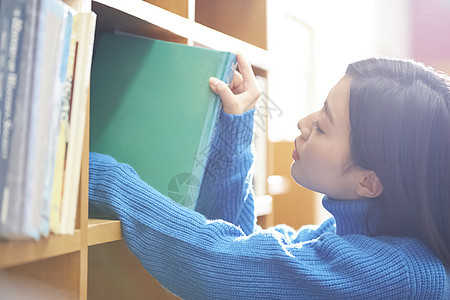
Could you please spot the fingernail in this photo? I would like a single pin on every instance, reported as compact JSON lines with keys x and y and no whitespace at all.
{"x":213,"y":81}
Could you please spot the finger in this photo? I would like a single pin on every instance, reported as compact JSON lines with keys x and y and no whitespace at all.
{"x":246,"y":70}
{"x":237,"y":84}
{"x":221,"y":88}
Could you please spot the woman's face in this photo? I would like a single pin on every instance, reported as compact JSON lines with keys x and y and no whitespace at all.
{"x":322,"y":149}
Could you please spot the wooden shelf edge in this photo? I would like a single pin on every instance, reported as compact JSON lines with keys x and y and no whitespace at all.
{"x":103,"y":231}
{"x":190,"y":29}
{"x":16,"y":253}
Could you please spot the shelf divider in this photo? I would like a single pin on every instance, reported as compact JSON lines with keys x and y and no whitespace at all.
{"x":103,"y":231}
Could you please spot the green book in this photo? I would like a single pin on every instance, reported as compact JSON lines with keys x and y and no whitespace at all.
{"x":151,"y":107}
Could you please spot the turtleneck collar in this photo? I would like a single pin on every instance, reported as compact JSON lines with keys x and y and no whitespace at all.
{"x":351,"y":215}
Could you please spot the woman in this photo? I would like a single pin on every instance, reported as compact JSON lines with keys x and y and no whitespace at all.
{"x":379,"y":149}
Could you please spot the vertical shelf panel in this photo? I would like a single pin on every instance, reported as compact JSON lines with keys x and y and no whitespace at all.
{"x":83,"y":208}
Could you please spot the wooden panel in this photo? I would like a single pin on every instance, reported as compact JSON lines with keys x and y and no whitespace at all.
{"x":297,"y":207}
{"x":54,"y":278}
{"x":179,"y":7}
{"x":245,"y":20}
{"x":83,"y":208}
{"x":115,"y":273}
{"x":266,"y":221}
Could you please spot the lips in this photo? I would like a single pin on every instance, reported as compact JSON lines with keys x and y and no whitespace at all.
{"x":295,"y":155}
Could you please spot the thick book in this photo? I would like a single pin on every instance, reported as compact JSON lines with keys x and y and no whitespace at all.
{"x":151,"y":107}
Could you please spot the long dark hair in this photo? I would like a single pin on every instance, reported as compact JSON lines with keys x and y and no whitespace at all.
{"x":400,"y":128}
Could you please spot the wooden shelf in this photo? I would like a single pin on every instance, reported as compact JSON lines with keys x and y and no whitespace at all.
{"x":21,"y":252}
{"x":58,"y":265}
{"x":139,"y":17}
{"x":103,"y":231}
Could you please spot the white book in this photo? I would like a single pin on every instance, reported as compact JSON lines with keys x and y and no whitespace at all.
{"x":86,"y":32}
{"x":58,"y":82}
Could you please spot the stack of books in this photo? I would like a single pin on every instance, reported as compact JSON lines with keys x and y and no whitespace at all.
{"x":45,"y":62}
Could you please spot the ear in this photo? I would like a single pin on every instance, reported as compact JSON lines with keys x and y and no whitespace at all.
{"x":369,"y":186}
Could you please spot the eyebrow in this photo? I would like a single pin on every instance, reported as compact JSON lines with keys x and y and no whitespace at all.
{"x":327,"y":111}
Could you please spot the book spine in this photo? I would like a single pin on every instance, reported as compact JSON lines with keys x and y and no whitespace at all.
{"x":37,"y":82}
{"x":5,"y":25}
{"x":16,"y":34}
{"x":61,"y":151}
{"x":225,"y":73}
{"x":62,"y":50}
{"x":32,"y":178}
{"x":77,"y":121}
{"x":19,"y":12}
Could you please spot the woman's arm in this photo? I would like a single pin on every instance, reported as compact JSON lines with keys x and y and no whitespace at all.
{"x":226,"y":192}
{"x":197,"y":258}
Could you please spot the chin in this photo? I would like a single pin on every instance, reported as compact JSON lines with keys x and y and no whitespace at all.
{"x":300,"y":179}
{"x":294,"y":174}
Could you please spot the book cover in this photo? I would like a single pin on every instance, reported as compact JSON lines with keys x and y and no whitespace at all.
{"x":151,"y":107}
{"x":85,"y":37}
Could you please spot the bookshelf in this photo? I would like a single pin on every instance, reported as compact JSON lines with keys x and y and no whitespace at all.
{"x":94,"y":262}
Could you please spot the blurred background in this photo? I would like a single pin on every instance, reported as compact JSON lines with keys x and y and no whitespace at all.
{"x":310,"y":44}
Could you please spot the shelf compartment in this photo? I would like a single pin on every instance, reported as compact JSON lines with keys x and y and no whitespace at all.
{"x":244,"y":20}
{"x":15,"y":253}
{"x":146,"y":19}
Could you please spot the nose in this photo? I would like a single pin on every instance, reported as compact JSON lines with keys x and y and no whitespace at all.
{"x":306,"y":125}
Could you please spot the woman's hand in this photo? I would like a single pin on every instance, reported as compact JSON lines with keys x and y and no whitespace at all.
{"x":243,"y":91}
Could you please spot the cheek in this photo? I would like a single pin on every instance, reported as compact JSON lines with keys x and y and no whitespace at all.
{"x":319,"y":164}
{"x":310,"y":166}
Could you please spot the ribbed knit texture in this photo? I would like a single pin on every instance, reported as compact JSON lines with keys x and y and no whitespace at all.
{"x":220,"y":253}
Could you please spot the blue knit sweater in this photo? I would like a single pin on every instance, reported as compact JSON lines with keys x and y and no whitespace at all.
{"x":218,"y":252}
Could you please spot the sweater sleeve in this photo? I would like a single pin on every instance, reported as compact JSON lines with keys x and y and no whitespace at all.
{"x":197,"y":258}
{"x":227,"y":191}
{"x":306,"y":232}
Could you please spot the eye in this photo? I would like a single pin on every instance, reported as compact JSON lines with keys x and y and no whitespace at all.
{"x":317,"y":128}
